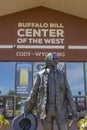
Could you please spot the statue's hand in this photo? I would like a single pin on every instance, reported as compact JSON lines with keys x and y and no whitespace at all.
{"x":25,"y":114}
{"x":76,"y":115}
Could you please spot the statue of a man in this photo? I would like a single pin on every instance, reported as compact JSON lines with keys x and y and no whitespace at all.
{"x":54,"y":94}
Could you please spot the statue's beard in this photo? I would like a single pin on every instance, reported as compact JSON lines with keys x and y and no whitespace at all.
{"x":52,"y":65}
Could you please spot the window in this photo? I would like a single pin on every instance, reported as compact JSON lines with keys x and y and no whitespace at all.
{"x":75,"y":75}
{"x":7,"y":76}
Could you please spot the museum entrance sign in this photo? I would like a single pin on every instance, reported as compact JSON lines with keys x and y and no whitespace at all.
{"x":30,"y":35}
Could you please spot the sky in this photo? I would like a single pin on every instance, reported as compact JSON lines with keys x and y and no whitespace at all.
{"x":75,"y":75}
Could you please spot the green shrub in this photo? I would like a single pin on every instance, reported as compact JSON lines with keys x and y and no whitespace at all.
{"x":82,"y":124}
{"x":4,"y":123}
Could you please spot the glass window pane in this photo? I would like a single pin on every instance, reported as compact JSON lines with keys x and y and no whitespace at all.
{"x":7,"y":77}
{"x":86,"y":76}
{"x":75,"y":75}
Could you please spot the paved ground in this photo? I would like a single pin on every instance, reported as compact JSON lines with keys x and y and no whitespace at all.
{"x":74,"y":126}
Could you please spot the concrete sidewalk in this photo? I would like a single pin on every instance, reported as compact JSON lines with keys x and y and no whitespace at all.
{"x":74,"y":126}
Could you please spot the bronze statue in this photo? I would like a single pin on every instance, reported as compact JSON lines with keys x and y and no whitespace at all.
{"x":51,"y":86}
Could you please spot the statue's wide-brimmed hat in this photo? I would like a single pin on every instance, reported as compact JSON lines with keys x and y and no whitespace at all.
{"x":27,"y":123}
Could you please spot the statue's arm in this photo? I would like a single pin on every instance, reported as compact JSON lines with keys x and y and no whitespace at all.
{"x":69,"y":95}
{"x":31,"y":100}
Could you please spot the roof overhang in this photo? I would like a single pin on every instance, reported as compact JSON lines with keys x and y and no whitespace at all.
{"x":73,"y":7}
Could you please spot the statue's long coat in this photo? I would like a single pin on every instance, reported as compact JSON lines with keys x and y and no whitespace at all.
{"x":63,"y":94}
